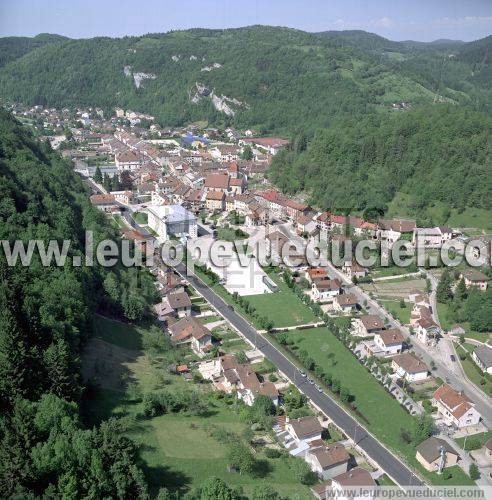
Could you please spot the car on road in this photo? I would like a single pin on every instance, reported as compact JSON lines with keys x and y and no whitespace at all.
{"x":452,"y":357}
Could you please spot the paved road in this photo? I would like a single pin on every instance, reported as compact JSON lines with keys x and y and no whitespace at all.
{"x":428,"y":354}
{"x":386,"y":460}
{"x":482,"y":402}
{"x":395,"y":468}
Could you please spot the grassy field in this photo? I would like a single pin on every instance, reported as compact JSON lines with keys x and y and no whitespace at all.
{"x":383,"y":272}
{"x":176,"y":450}
{"x":282,"y":307}
{"x":120,"y":334}
{"x":370,"y":396}
{"x":473,"y":372}
{"x":445,"y":317}
{"x":472,"y":218}
{"x":484,"y":337}
{"x":383,"y":415}
{"x":394,"y":289}
{"x":474,"y":442}
{"x":230,"y":234}
{"x":140,"y":217}
{"x":401,"y":314}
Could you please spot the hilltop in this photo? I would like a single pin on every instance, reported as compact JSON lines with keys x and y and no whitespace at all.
{"x":270,"y":78}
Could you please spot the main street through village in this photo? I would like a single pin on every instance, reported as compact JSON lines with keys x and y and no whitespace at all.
{"x":391,"y":464}
{"x":454,"y":377}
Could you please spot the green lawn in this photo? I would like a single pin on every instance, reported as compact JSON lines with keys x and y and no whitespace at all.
{"x":474,"y":442}
{"x":120,"y":334}
{"x":382,"y":414}
{"x":393,"y":307}
{"x":177,"y":450}
{"x":230,"y":234}
{"x":472,"y":371}
{"x":484,"y":337}
{"x":458,"y":477}
{"x":383,"y":272}
{"x":140,"y":218}
{"x":384,"y":480}
{"x":471,"y":217}
{"x":282,"y":307}
{"x":445,"y":317}
{"x":370,"y":396}
{"x":210,"y":319}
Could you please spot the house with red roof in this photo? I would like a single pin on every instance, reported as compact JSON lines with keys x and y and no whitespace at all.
{"x":455,"y":408}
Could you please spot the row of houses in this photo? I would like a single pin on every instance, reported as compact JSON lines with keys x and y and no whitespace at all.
{"x":230,"y":376}
{"x":332,"y":463}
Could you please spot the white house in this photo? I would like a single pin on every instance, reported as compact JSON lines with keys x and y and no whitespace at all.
{"x":190,"y":331}
{"x":482,"y":355}
{"x":455,"y":408}
{"x":426,"y":329}
{"x":231,"y":376}
{"x":345,"y":303}
{"x":475,"y":279}
{"x":355,"y":484}
{"x":175,"y":220}
{"x":393,"y":229}
{"x":390,"y":342}
{"x":303,"y":430}
{"x":410,"y":368}
{"x":127,"y":160}
{"x":124,"y":197}
{"x":367,"y":325}
{"x":325,"y":290}
{"x":431,"y":237}
{"x":327,"y":461}
{"x":180,"y":303}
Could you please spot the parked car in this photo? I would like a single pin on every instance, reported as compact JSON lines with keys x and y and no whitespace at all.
{"x":453,"y":357}
{"x":302,"y":374}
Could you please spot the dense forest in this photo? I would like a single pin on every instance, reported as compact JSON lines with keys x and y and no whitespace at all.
{"x":286,"y":79}
{"x":45,"y":317}
{"x":436,"y":154}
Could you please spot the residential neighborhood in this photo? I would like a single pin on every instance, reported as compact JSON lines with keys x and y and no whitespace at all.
{"x":189,"y":185}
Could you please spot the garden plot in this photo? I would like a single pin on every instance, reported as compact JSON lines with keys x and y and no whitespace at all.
{"x":399,"y":289}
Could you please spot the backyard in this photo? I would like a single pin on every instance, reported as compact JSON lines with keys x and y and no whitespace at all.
{"x":178,"y":451}
{"x":370,"y":397}
{"x":282,"y":307}
{"x":402,"y":314}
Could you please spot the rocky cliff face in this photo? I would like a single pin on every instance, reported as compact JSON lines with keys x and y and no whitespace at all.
{"x":222,"y":103}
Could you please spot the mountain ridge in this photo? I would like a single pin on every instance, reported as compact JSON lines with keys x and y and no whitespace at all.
{"x":284,"y":75}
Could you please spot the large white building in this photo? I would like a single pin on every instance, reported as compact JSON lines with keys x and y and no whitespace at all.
{"x":172,"y":220}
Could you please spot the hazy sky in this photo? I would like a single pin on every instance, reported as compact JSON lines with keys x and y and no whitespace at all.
{"x":395,"y":19}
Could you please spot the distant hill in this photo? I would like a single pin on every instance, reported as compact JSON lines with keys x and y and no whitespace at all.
{"x":14,"y":47}
{"x":272,"y":79}
{"x":425,"y":158}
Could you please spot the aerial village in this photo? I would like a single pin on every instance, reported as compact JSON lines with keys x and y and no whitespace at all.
{"x":195,"y":183}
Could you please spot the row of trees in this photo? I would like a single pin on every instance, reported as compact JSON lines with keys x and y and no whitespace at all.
{"x":45,"y":317}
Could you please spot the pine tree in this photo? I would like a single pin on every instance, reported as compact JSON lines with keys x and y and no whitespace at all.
{"x":98,"y":175}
